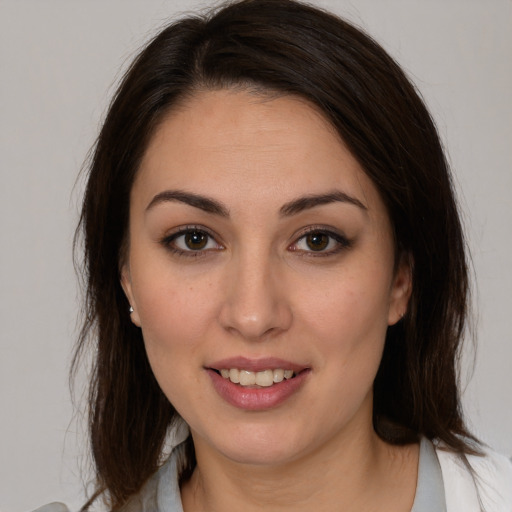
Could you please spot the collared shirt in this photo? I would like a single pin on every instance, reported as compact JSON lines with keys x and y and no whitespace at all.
{"x":447,"y":482}
{"x":162,"y":494}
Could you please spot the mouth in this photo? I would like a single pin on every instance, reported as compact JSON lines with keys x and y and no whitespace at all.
{"x":257,"y":384}
{"x":252,"y":379}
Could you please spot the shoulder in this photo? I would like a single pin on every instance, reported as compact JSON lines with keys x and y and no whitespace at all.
{"x":161,"y":492}
{"x":53,"y":507}
{"x":473,"y":479}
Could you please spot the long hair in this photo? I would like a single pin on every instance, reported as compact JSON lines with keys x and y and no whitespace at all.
{"x":281,"y":47}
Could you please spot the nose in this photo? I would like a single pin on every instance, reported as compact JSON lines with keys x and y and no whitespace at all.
{"x":255,"y":304}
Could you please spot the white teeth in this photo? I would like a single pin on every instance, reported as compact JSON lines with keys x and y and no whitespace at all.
{"x":234,"y":375}
{"x":264,"y":378}
{"x":247,"y":378}
{"x":278,"y":375}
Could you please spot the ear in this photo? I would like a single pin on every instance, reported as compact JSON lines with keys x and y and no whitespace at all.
{"x":126,"y":283}
{"x":401,"y":289}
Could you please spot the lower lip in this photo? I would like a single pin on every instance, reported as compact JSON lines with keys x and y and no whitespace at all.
{"x":257,"y":399}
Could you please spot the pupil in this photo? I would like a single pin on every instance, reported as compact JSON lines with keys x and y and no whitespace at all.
{"x":196,"y":240}
{"x":317,"y":241}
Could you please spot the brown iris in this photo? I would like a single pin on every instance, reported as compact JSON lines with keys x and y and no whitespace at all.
{"x":317,"y":241}
{"x":196,"y":240}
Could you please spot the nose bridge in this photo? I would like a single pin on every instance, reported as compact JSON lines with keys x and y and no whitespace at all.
{"x":255,"y":305}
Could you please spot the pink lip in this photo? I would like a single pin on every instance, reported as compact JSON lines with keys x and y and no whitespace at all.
{"x":256,"y":365}
{"x":257,"y":399}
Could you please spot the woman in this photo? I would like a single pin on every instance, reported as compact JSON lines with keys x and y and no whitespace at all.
{"x":276,"y":273}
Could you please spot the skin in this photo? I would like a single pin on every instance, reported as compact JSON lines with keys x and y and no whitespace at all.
{"x":257,"y":289}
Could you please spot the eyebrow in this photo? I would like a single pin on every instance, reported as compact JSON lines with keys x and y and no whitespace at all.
{"x":310,"y":201}
{"x":213,"y":206}
{"x":204,"y":203}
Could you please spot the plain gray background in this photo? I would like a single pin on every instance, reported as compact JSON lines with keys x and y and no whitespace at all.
{"x":59,"y":62}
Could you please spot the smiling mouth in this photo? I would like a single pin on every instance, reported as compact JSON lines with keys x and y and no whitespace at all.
{"x":264,"y":378}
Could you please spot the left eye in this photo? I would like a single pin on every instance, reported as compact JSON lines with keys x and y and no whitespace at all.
{"x":320,"y":242}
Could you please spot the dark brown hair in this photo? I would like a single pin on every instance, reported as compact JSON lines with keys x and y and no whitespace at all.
{"x":282,"y":47}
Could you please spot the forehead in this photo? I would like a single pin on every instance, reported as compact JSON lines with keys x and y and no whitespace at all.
{"x":234,"y":143}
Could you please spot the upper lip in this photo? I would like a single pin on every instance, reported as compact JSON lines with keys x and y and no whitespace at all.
{"x":256,"y":365}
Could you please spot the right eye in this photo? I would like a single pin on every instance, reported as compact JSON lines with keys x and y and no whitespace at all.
{"x":191,"y":242}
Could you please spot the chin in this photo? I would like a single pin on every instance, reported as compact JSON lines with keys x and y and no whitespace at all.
{"x":260,"y":445}
{"x":260,"y":454}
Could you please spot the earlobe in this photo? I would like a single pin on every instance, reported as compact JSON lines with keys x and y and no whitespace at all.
{"x":401,"y":290}
{"x":126,"y":284}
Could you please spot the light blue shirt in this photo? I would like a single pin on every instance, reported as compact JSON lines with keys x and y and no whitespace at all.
{"x":161,"y":493}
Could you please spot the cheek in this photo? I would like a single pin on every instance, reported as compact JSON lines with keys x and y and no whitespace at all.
{"x":351,"y":302}
{"x":174,"y":320}
{"x":349,"y":321}
{"x":176,"y":313}
{"x":175,"y":316}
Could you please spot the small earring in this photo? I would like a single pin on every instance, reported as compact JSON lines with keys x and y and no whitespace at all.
{"x":130,"y":310}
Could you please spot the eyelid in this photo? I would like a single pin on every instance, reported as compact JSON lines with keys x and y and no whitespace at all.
{"x":343,"y":242}
{"x":167,"y":240}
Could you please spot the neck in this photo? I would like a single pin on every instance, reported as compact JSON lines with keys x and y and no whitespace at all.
{"x":350,"y":473}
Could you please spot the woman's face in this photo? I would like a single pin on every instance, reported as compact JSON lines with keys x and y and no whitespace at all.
{"x":260,"y":249}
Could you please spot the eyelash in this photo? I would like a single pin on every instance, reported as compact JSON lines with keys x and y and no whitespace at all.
{"x":169,"y":242}
{"x":341,"y":242}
